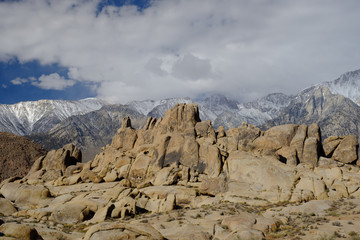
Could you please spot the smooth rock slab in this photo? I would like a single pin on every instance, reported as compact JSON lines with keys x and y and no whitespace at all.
{"x":71,"y":213}
{"x":6,"y":207}
{"x":25,"y":194}
{"x":346,"y":151}
{"x":108,"y":231}
{"x":19,"y":231}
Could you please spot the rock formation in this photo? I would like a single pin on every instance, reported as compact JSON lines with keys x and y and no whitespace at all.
{"x":181,"y":162}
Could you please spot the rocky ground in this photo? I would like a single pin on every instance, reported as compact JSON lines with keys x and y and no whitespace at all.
{"x":213,"y":219}
{"x":178,"y":178}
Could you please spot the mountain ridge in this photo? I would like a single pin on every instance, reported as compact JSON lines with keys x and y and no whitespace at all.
{"x":321,"y":103}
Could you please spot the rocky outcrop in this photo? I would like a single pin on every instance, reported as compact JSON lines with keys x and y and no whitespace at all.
{"x":181,"y":162}
{"x":181,"y":149}
{"x":55,"y":164}
{"x":17,"y":155}
{"x":346,"y":151}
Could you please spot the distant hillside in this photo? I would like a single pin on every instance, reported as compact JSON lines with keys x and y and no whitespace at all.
{"x":17,"y":154}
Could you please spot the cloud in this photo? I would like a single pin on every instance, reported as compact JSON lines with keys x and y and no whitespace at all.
{"x":192,"y":68}
{"x":19,"y":81}
{"x":4,"y":86}
{"x":242,"y":48}
{"x":53,"y":82}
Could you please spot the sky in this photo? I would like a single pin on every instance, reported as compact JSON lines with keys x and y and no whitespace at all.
{"x":153,"y":49}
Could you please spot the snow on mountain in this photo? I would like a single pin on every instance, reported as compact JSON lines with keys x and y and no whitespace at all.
{"x":222,"y":110}
{"x":156,"y":108}
{"x":348,"y":85}
{"x":271,"y":104}
{"x":35,"y":116}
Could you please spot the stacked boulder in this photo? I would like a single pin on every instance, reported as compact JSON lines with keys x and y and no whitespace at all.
{"x":182,"y":150}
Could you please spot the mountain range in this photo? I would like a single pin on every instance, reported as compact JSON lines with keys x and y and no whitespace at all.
{"x":91,"y":123}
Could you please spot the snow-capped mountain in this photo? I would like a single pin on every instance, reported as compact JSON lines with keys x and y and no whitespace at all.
{"x":37,"y":116}
{"x":91,"y":123}
{"x":156,"y":108}
{"x":334,"y":105}
{"x":347,"y":85}
{"x":90,"y":131}
{"x":336,"y":115}
{"x":224,"y":111}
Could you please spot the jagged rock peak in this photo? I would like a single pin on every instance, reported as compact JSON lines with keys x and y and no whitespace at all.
{"x":126,"y":123}
{"x":182,"y":116}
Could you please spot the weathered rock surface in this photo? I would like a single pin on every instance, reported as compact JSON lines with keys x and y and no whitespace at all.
{"x":6,"y":207}
{"x":19,"y":231}
{"x":346,"y":151}
{"x":55,"y":163}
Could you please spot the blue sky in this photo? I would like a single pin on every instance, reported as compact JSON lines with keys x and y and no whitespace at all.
{"x":13,"y":69}
{"x":152,"y":49}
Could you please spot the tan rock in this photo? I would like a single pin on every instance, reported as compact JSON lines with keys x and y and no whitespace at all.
{"x":190,"y":150}
{"x":87,"y":175}
{"x":240,"y":221}
{"x":6,"y":207}
{"x":314,"y":131}
{"x":168,"y":204}
{"x":346,"y":152}
{"x":139,"y":168}
{"x":275,"y":138}
{"x":213,"y":186}
{"x":161,"y":143}
{"x":311,"y":151}
{"x":56,"y":161}
{"x":209,"y":160}
{"x":111,"y":176}
{"x":189,"y":231}
{"x":165,"y":176}
{"x":204,"y":129}
{"x":124,"y":207}
{"x":220,"y":132}
{"x":107,"y":231}
{"x":327,"y":162}
{"x":72,"y":213}
{"x":181,"y":117}
{"x":338,"y":190}
{"x":247,"y":134}
{"x":25,"y":194}
{"x":183,"y":195}
{"x":101,"y":214}
{"x":288,"y":155}
{"x":125,"y":137}
{"x":246,"y":234}
{"x":174,"y":150}
{"x":19,"y":231}
{"x":298,"y":141}
{"x":330,"y":144}
{"x":260,"y":177}
{"x":73,"y":169}
{"x":316,"y":186}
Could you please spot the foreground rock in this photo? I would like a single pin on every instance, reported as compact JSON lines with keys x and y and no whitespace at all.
{"x":178,"y":178}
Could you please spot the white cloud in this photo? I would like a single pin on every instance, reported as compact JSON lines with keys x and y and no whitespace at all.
{"x":53,"y":81}
{"x":19,"y":81}
{"x":192,"y":68}
{"x":183,"y":48}
{"x":4,"y":86}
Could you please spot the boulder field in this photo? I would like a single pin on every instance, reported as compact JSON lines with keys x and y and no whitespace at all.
{"x":179,"y":178}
